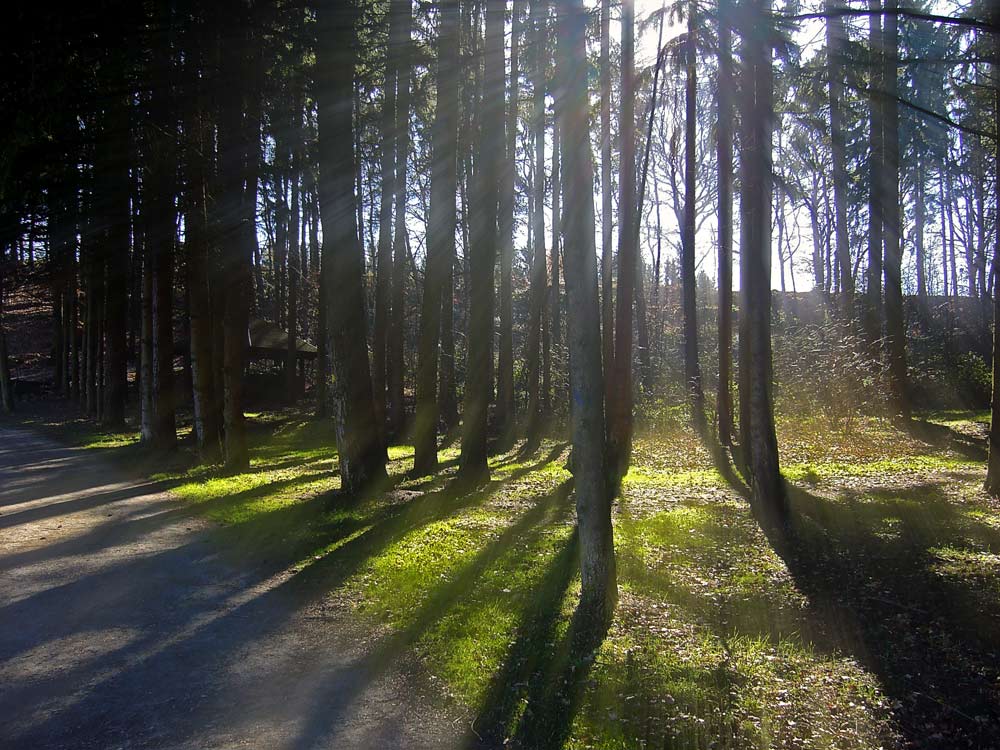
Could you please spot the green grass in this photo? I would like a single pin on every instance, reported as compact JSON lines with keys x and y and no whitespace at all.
{"x":723,"y":638}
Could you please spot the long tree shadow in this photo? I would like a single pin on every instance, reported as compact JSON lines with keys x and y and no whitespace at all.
{"x":531,"y":655}
{"x":533,"y":698}
{"x":216,"y":628}
{"x":554,"y":698}
{"x":872,"y":568}
{"x":92,"y":500}
{"x":550,"y":508}
{"x":944,"y":437}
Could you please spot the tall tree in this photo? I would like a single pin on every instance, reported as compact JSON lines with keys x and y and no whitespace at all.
{"x":294,"y":253}
{"x":593,"y":494}
{"x":689,"y":281}
{"x":197,"y":240}
{"x":835,"y":37}
{"x":537,"y":293}
{"x":891,"y":217}
{"x":6,"y":383}
{"x":235,"y":56}
{"x":402,"y":47}
{"x":607,"y":249}
{"x":383,"y":263}
{"x":993,"y":466}
{"x":114,"y":205}
{"x":505,"y":413}
{"x":359,"y":445}
{"x":483,"y":252}
{"x":440,"y":239}
{"x":161,"y":234}
{"x":873,"y":295}
{"x":619,"y":407}
{"x":756,"y":118}
{"x":724,"y":144}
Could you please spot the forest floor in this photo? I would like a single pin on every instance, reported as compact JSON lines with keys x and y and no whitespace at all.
{"x":122,"y":627}
{"x":876,"y":623}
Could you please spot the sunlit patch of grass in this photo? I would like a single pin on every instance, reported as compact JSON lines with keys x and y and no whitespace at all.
{"x":958,"y":417}
{"x":110,"y":440}
{"x":641,"y":477}
{"x":459,"y":588}
{"x":966,"y":563}
{"x":296,"y":460}
{"x":813,"y":472}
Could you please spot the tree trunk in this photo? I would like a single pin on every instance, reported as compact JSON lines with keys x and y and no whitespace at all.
{"x":479,"y":382}
{"x":895,"y":334}
{"x":607,"y":248}
{"x":440,"y":240}
{"x":383,"y":262}
{"x":993,"y":465}
{"x":294,"y":257}
{"x":876,"y":197}
{"x":593,"y":496}
{"x":555,"y":305}
{"x":944,"y":233}
{"x":835,"y":36}
{"x":118,"y":184}
{"x":6,"y":383}
{"x":447,"y":396}
{"x":359,"y":445}
{"x":724,"y":144}
{"x":951,"y":234}
{"x":234,"y":227}
{"x":397,"y":316}
{"x":755,"y":287}
{"x":537,"y":292}
{"x":620,"y":404}
{"x":919,"y":223}
{"x":506,"y":407}
{"x":689,"y":282}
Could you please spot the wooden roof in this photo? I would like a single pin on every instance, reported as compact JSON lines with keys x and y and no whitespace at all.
{"x":270,"y":340}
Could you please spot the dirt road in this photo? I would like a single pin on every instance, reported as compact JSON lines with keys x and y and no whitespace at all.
{"x":122,"y":627}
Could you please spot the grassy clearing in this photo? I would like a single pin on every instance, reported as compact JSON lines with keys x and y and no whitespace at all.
{"x":874,"y":626}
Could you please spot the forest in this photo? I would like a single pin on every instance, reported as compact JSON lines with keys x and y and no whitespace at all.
{"x":500,"y":373}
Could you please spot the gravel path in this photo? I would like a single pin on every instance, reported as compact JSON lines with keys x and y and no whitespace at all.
{"x":121,"y":626}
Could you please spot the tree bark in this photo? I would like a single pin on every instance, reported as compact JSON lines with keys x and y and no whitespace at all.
{"x":919,"y":223}
{"x":555,"y":304}
{"x":146,"y":399}
{"x":294,"y":256}
{"x":440,"y":240}
{"x":6,"y":383}
{"x":235,"y":224}
{"x":506,"y":407}
{"x":118,"y":184}
{"x":620,"y":404}
{"x":724,"y":402}
{"x":607,"y":248}
{"x":593,"y":495}
{"x":397,"y":316}
{"x":755,"y":288}
{"x":895,"y":333}
{"x":993,"y":465}
{"x":537,"y":290}
{"x":876,"y":197}
{"x":383,"y":262}
{"x":689,"y":282}
{"x":835,"y":36}
{"x":359,"y":445}
{"x":479,"y":382}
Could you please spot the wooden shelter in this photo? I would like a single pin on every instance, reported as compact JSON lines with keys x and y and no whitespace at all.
{"x":270,"y":342}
